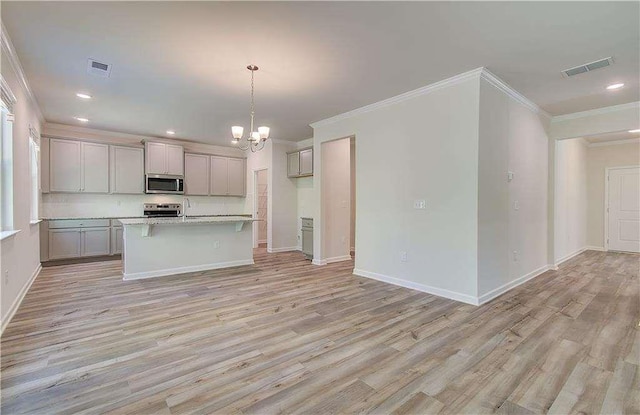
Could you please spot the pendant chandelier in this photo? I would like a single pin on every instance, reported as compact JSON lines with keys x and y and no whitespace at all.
{"x":256,"y":139}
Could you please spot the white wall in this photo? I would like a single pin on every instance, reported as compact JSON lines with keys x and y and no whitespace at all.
{"x":423,"y":145}
{"x":512,"y":215}
{"x":599,"y":158}
{"x":20,"y":255}
{"x":285,"y":197}
{"x":336,"y":199}
{"x":570,"y":198}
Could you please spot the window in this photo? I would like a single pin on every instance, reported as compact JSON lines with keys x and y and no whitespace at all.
{"x":34,"y":170}
{"x":6,"y":169}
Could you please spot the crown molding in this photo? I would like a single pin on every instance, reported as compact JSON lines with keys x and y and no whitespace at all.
{"x":616,"y":142}
{"x":508,"y":90}
{"x":473,"y":74}
{"x":597,"y":111}
{"x":10,"y":51}
{"x":478,"y":73}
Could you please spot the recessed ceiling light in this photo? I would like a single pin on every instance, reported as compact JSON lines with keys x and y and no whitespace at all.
{"x":171,"y":132}
{"x":83,"y":96}
{"x":637,"y":130}
{"x":615,"y":86}
{"x":81,"y":119}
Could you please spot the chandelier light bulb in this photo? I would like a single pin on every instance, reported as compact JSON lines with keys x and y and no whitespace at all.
{"x":255,"y":136}
{"x":237,"y":132}
{"x":264,"y":132}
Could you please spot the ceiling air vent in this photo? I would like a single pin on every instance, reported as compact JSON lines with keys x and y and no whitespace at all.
{"x":602,"y":63}
{"x":99,"y":68}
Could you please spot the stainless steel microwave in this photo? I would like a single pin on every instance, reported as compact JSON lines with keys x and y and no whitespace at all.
{"x":164,"y":184}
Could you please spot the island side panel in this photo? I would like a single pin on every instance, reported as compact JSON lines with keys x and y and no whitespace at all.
{"x":178,"y":248}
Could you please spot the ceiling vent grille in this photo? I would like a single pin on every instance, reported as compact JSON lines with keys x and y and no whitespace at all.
{"x":98,"y":68}
{"x":587,"y":67}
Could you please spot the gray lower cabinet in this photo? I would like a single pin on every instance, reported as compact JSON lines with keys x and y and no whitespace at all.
{"x":77,"y":238}
{"x":307,"y":237}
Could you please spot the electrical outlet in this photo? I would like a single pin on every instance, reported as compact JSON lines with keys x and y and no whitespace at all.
{"x":516,"y":205}
{"x":216,"y":244}
{"x":515,"y":256}
{"x":419,"y":204}
{"x":6,"y":277}
{"x":404,"y":257}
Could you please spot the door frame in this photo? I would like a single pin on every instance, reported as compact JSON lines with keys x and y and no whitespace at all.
{"x":606,"y":200}
{"x":254,"y":213}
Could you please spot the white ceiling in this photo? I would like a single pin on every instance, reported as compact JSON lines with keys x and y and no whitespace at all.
{"x":181,"y":65}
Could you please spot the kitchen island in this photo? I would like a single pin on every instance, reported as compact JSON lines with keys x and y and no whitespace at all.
{"x":155,"y":247}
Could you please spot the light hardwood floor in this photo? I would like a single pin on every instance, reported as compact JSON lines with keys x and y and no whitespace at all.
{"x":286,"y":336}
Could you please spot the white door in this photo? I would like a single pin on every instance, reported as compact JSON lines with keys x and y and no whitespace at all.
{"x":261,"y":212}
{"x":175,"y":160}
{"x":236,"y":177}
{"x":95,"y":168}
{"x":156,"y":158}
{"x":196,"y":174}
{"x":624,"y":209}
{"x":64,"y":243}
{"x":127,"y":171}
{"x":95,"y":241}
{"x":219,"y":182}
{"x":64,"y":166}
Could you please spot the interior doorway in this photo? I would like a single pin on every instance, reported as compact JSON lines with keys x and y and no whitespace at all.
{"x":260,"y":211}
{"x":622,"y":215}
{"x":338,"y":212}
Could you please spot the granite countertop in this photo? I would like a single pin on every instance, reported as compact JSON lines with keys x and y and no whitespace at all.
{"x":143,"y":217}
{"x":187,"y":220}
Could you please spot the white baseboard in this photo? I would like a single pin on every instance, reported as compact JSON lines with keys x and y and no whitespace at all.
{"x":595,"y":248}
{"x":319,"y":261}
{"x":264,"y":241}
{"x":184,"y":270}
{"x":338,"y":259}
{"x":284,"y":249}
{"x":452,"y":295}
{"x":512,"y":284}
{"x":569,"y":256}
{"x":19,"y":298}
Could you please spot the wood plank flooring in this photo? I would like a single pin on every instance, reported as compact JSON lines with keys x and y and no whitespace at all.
{"x":284,"y":336}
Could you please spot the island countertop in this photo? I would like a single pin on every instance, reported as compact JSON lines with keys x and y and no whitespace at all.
{"x":181,"y":220}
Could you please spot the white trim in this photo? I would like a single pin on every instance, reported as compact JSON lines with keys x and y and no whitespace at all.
{"x":565,"y":258}
{"x":473,"y":74}
{"x":35,"y":222}
{"x":184,"y":270}
{"x":10,"y":51}
{"x":337,"y":259}
{"x":8,"y":234}
{"x":8,"y":93}
{"x":16,"y":303}
{"x":283,"y":249}
{"x":319,"y":262}
{"x":616,"y":142}
{"x":597,"y":111}
{"x":452,"y":295}
{"x":595,"y":248}
{"x":512,"y":284}
{"x":507,"y":89}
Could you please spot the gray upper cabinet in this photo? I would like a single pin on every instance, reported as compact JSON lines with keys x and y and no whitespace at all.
{"x":196,"y":174}
{"x":300,"y":163}
{"x":127,"y":170}
{"x":77,"y":166}
{"x":161,"y":158}
{"x":227,"y":176}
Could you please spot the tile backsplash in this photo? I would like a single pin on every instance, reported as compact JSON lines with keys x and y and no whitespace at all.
{"x":59,"y":205}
